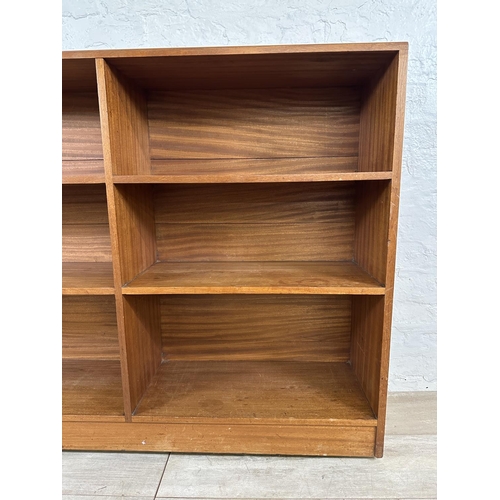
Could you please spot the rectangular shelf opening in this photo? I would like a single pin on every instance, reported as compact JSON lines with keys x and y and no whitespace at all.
{"x":249,"y":126}
{"x":266,"y":238}
{"x":275,"y":359}
{"x":92,"y":387}
{"x":87,"y":262}
{"x":82,"y":154}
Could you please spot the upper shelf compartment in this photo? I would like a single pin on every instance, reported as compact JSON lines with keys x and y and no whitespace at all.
{"x":82,"y":154}
{"x":257,"y":117}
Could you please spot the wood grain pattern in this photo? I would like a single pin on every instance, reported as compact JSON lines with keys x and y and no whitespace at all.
{"x":89,"y":328}
{"x":242,"y":203}
{"x":254,"y":123}
{"x":370,"y":51}
{"x":85,"y":230}
{"x":91,"y":389}
{"x":270,"y":222}
{"x":377,"y":122}
{"x":81,"y":127}
{"x":380,"y":148}
{"x":340,"y":278}
{"x":254,"y":169}
{"x":401,"y":61}
{"x":107,"y":93}
{"x":288,"y":392}
{"x":82,"y":172}
{"x":254,"y":242}
{"x":78,"y":75}
{"x":86,"y":243}
{"x":143,"y":343}
{"x":127,"y":129}
{"x":366,"y":345}
{"x":84,"y":205}
{"x":229,"y":178}
{"x":205,"y":438}
{"x":256,"y":327}
{"x":136,"y":238}
{"x":372,"y":227}
{"x":87,"y":278}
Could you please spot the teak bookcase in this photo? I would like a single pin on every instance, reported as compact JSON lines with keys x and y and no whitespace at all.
{"x":229,"y":237}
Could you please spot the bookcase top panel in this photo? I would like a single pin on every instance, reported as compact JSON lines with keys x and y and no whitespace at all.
{"x":234,"y":50}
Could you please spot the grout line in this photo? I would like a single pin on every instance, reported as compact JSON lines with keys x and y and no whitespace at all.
{"x":161,"y":478}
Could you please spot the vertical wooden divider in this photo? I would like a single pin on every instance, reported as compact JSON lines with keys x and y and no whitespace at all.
{"x":123,"y":111}
{"x":380,"y":149}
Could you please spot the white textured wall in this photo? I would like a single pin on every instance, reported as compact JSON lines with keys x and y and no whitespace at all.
{"x":101,"y":24}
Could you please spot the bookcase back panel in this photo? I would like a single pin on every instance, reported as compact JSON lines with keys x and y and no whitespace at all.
{"x":85,"y":229}
{"x":81,"y":127}
{"x":256,"y":327}
{"x":89,"y":329}
{"x":84,"y":205}
{"x":262,"y":123}
{"x":230,"y":168}
{"x":79,"y":75}
{"x":267,"y":222}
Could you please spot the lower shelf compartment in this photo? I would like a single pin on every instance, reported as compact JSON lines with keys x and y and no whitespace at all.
{"x":255,"y":392}
{"x":92,"y":390}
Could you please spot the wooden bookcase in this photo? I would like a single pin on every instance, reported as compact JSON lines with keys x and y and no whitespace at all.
{"x":229,"y":237}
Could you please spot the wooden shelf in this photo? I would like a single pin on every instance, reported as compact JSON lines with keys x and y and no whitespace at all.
{"x":92,"y":390}
{"x":260,"y":170}
{"x":264,"y":392}
{"x":343,"y":278}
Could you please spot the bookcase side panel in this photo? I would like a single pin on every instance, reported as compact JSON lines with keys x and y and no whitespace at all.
{"x":381,"y":141}
{"x":401,"y":61}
